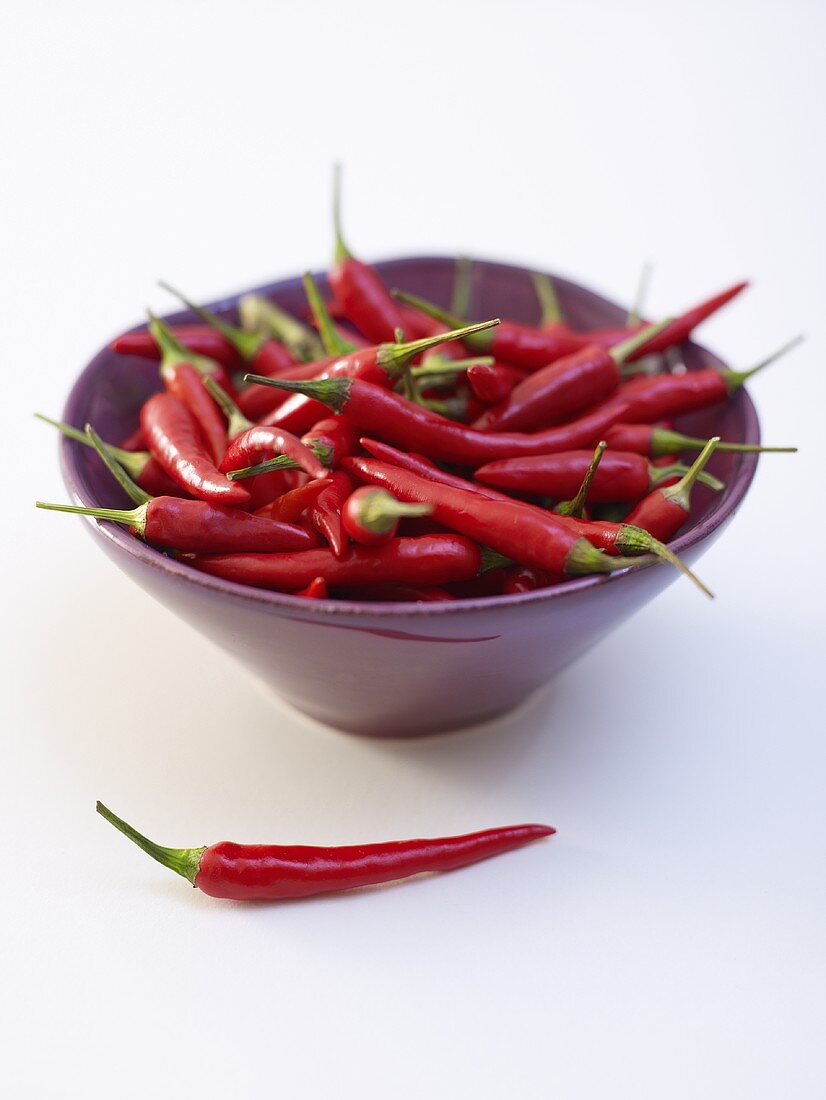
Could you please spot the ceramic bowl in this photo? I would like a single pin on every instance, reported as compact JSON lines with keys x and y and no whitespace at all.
{"x":396,"y":669}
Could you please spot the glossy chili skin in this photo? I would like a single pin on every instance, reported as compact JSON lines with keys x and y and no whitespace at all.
{"x":669,"y":395}
{"x":681,"y":327}
{"x":200,"y":527}
{"x":491,"y":383}
{"x":380,"y":412}
{"x":182,"y":380}
{"x":427,"y":560}
{"x":620,"y":475}
{"x":290,"y":506}
{"x":556,"y":392}
{"x":520,"y":532}
{"x":325,"y":512}
{"x":363,"y":299}
{"x":523,"y":578}
{"x":335,"y":433}
{"x":200,"y":339}
{"x":260,"y":402}
{"x":315,"y":590}
{"x":153,"y":479}
{"x":175,"y":440}
{"x":631,"y":437}
{"x":531,"y":348}
{"x":262,"y":442}
{"x":245,"y":872}
{"x":659,"y":516}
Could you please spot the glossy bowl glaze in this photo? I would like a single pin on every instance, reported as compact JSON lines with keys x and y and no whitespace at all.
{"x":396,"y":669}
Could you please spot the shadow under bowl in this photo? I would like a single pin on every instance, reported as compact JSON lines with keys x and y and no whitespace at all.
{"x":398,"y":669}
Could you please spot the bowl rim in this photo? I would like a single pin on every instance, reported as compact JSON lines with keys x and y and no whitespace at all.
{"x":728,"y":501}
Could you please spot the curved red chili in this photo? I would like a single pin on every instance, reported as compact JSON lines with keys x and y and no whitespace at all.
{"x":260,"y":443}
{"x":372,"y":516}
{"x":315,"y":590}
{"x":246,"y":872}
{"x":425,"y":560}
{"x":374,"y":409}
{"x":325,"y":512}
{"x":175,"y":440}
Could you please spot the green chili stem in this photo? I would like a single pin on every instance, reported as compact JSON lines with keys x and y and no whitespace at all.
{"x":681,"y":492}
{"x":132,"y":490}
{"x":236,"y":421}
{"x":666,"y":442}
{"x":172,"y":350}
{"x":550,"y":311}
{"x":621,"y":352}
{"x":576,"y":507}
{"x":260,"y":315}
{"x":462,"y":281}
{"x":342,"y":252}
{"x":333,"y":342}
{"x":635,"y":312}
{"x":245,"y":343}
{"x":133,"y":462}
{"x":184,"y":861}
{"x":133,"y":517}
{"x":734,"y":379}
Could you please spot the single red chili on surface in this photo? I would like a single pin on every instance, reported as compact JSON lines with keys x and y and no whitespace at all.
{"x":290,"y":506}
{"x":201,"y":340}
{"x":620,"y":475}
{"x":372,"y":516}
{"x":663,"y":512}
{"x":246,"y":872}
{"x":424,"y":560}
{"x":376,"y":410}
{"x":139,"y":465}
{"x":181,"y":378}
{"x":325,"y":512}
{"x":657,"y":442}
{"x":175,"y":440}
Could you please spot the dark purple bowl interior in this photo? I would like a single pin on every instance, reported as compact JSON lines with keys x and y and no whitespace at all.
{"x":112,"y":388}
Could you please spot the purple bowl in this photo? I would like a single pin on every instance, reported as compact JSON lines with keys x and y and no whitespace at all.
{"x":397,"y":669}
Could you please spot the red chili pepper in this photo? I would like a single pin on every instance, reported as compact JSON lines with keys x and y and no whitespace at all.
{"x":372,"y":516}
{"x":325,"y":514}
{"x":559,"y":391}
{"x":658,"y":442}
{"x":260,"y":443}
{"x":196,"y":526}
{"x":533,"y":348}
{"x":427,"y":560}
{"x":246,"y":872}
{"x":181,"y":378}
{"x":663,"y":512}
{"x":382,"y":365}
{"x":621,"y":475}
{"x":376,"y":410}
{"x":359,"y":292}
{"x":175,"y":441}
{"x":492,"y":382}
{"x":201,"y":340}
{"x":516,"y":529}
{"x":290,"y":506}
{"x":669,"y":395}
{"x":521,"y":533}
{"x":139,"y":465}
{"x":262,"y":402}
{"x":315,"y":590}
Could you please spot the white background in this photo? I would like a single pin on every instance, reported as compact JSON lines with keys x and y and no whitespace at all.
{"x":669,"y":940}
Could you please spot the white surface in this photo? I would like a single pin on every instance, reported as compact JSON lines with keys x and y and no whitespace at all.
{"x":669,"y":940}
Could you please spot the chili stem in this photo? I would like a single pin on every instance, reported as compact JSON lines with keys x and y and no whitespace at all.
{"x":131,"y":461}
{"x":635,"y":312}
{"x":621,"y":352}
{"x":133,"y":517}
{"x":462,"y":280}
{"x":133,"y":491}
{"x":183,"y":861}
{"x":259,"y":314}
{"x":681,"y":492}
{"x":333,"y":342}
{"x":172,"y":350}
{"x":737,"y":378}
{"x":245,"y":343}
{"x":550,"y":311}
{"x":576,"y":506}
{"x":236,"y":421}
{"x":666,"y":442}
{"x":342,"y":252}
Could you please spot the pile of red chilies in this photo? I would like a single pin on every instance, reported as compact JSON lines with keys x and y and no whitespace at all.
{"x":394,"y":452}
